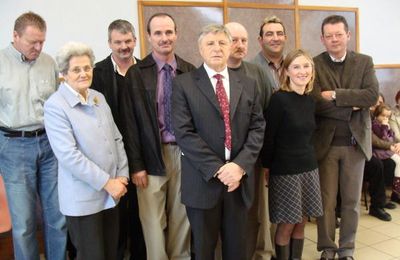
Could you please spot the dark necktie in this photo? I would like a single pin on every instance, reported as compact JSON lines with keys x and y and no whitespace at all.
{"x":167,"y":84}
{"x":224,"y":105}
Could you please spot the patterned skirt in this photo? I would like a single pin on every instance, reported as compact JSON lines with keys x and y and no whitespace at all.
{"x":292,"y":197}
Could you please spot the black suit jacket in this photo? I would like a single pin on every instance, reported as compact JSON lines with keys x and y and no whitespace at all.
{"x":200,"y":133}
{"x":104,"y":81}
{"x":141,"y":131}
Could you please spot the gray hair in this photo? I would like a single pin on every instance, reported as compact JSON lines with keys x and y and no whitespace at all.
{"x":122,"y":26}
{"x":214,"y":29}
{"x":72,"y":49}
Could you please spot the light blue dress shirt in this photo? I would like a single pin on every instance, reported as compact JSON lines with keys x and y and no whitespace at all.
{"x":89,"y":150}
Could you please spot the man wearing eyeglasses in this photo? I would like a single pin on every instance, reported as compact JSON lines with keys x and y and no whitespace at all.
{"x":28,"y":165}
{"x":272,"y":40}
{"x":345,"y":87}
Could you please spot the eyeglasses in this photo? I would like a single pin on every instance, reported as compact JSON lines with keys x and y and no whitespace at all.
{"x":336,"y":35}
{"x":78,"y":70}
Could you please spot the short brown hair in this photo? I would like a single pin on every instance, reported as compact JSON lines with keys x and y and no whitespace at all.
{"x":334,"y":19}
{"x":159,"y":15}
{"x":29,"y":19}
{"x":290,"y":57}
{"x":272,"y":19}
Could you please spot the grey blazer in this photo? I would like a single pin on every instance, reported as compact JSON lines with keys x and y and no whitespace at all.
{"x":358,"y":87}
{"x":199,"y":131}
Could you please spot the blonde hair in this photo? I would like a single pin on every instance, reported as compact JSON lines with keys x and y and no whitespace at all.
{"x":285,"y":80}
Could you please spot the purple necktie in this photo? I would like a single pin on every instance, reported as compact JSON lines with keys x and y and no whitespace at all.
{"x":167,"y":84}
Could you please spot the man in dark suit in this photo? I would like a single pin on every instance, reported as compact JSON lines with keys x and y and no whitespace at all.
{"x":259,"y":244}
{"x":219,"y":126}
{"x":345,"y":87}
{"x":150,"y":143}
{"x":108,"y":78}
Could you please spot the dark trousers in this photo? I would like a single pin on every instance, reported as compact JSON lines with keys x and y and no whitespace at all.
{"x":130,"y":227}
{"x":95,"y":236}
{"x":228,"y":219}
{"x":388,"y":169}
{"x":374,"y":175}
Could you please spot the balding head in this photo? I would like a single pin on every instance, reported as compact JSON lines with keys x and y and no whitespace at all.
{"x":239,"y":44}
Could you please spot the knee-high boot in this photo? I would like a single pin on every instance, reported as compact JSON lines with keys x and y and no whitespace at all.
{"x":296,"y":248}
{"x":282,"y":252}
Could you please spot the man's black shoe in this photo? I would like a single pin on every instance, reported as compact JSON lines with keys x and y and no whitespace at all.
{"x":346,"y":258}
{"x":380,"y":213}
{"x":390,"y":205}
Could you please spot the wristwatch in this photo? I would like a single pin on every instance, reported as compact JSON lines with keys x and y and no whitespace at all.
{"x":333,"y":95}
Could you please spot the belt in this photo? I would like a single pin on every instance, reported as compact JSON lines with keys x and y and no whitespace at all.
{"x":14,"y":133}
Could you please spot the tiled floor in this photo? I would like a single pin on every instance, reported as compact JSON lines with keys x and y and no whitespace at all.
{"x":376,"y":239}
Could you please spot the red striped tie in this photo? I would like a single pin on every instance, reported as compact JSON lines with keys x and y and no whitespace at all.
{"x":224,"y":105}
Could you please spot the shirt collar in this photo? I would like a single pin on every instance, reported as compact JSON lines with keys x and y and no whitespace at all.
{"x":338,"y":60}
{"x":19,"y":55}
{"x":270,"y":62}
{"x":211,"y":73}
{"x":78,"y":95}
{"x":115,"y":65}
{"x":160,"y":63}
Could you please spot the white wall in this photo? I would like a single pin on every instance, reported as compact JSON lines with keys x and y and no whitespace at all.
{"x":379,"y":23}
{"x":73,"y":20}
{"x":87,"y":21}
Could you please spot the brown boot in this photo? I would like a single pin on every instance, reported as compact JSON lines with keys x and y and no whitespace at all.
{"x":296,"y":248}
{"x":396,"y":185}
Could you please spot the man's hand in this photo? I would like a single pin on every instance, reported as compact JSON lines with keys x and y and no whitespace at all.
{"x":116,"y":187}
{"x":327,"y":95}
{"x":230,"y":174}
{"x":233,"y":186}
{"x":140,"y":179}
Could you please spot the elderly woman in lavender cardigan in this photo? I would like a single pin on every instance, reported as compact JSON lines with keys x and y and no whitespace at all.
{"x":93,"y":169}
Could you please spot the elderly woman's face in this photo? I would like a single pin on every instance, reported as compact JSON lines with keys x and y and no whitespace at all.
{"x":80,"y":73}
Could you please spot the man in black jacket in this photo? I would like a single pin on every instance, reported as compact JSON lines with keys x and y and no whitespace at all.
{"x":108,"y":78}
{"x":154,"y":157}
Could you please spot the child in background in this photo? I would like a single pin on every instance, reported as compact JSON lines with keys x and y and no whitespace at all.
{"x":381,"y":128}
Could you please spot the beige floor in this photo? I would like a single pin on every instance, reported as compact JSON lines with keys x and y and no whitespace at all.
{"x":376,"y":239}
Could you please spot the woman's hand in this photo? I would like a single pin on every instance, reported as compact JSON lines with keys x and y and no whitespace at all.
{"x":116,"y":187}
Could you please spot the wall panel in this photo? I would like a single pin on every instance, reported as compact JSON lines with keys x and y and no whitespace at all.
{"x":189,"y":21}
{"x":310,"y":29}
{"x":389,"y":83}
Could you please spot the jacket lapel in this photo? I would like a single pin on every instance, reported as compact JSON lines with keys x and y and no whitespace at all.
{"x":331,"y":72}
{"x":236,"y":88}
{"x":347,"y":72}
{"x":71,"y":99}
{"x":205,"y":86}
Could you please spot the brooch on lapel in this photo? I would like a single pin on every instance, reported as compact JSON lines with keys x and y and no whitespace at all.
{"x":96,"y":100}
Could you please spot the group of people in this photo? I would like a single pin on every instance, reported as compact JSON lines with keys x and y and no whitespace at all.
{"x":174,"y":159}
